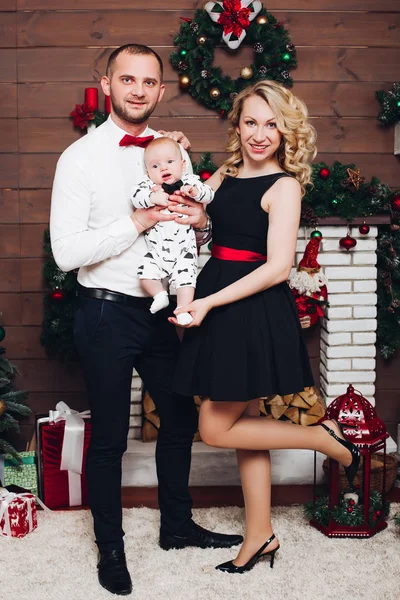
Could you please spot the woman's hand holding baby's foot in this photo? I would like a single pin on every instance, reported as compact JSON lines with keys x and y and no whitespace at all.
{"x":184,"y":318}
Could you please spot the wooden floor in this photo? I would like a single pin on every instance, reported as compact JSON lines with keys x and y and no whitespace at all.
{"x":205,"y":497}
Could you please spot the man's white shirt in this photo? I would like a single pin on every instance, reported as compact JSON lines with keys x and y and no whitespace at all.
{"x":90,"y":224}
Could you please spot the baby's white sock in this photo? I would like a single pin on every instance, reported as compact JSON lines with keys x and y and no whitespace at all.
{"x":160,"y":301}
{"x":184,"y":318}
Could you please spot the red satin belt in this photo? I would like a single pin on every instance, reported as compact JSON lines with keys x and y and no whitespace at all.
{"x":224,"y":253}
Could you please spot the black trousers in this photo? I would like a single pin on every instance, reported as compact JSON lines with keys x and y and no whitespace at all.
{"x":112,"y":339}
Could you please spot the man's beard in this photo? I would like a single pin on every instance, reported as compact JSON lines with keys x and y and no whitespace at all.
{"x":123,"y":114}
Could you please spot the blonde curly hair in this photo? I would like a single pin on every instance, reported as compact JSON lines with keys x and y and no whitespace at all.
{"x":297,"y":148}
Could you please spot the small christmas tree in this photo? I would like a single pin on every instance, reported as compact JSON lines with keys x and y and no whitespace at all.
{"x":12,"y":406}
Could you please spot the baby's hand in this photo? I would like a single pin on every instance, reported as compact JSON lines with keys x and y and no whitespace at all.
{"x":190,"y":190}
{"x":158,"y":196}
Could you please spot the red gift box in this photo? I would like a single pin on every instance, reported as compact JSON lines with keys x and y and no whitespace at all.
{"x":17,"y":514}
{"x":63,"y":439}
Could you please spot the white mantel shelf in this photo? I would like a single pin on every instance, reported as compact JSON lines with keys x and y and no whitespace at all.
{"x":216,"y":466}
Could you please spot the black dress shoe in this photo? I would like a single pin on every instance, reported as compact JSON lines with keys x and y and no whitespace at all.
{"x":113,"y":573}
{"x":199,"y":537}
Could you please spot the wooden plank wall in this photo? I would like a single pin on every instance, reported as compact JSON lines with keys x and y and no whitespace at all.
{"x":50,"y":50}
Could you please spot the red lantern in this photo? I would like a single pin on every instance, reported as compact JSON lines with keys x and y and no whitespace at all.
{"x":347,"y":242}
{"x":364,"y":229}
{"x":395,"y":202}
{"x":57,"y":295}
{"x":361,"y":426}
{"x":205,"y":174}
{"x":324,"y":173}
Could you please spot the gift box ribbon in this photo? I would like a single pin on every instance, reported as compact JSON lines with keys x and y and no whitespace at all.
{"x":72,"y":450}
{"x":6,"y":498}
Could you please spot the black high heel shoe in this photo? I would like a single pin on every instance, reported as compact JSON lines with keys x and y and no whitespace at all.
{"x":352,"y":469}
{"x":229,"y":567}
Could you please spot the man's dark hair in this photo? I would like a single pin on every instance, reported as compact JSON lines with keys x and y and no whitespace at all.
{"x":132,"y":49}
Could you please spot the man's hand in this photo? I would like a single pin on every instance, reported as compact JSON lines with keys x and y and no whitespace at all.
{"x":144,"y":218}
{"x":178,"y":136}
{"x":193,"y":212}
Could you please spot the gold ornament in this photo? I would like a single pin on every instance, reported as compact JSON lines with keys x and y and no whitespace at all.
{"x":261,"y":20}
{"x":3,"y":407}
{"x":215,"y":93}
{"x":355,"y":177}
{"x":184,"y":81}
{"x":246,"y":73}
{"x":201,"y":39}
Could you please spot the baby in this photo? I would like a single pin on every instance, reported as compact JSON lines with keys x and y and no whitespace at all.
{"x":172,"y":251}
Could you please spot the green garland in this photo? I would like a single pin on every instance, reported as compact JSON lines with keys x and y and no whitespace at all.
{"x":59,"y":304}
{"x":390,"y":105}
{"x":347,"y":512}
{"x":333,"y":193}
{"x":274,"y":55}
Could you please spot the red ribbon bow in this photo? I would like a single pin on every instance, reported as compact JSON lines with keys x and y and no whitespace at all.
{"x":234,"y":18}
{"x":136,"y":140}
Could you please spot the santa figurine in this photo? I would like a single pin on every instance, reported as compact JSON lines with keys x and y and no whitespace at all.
{"x":308,"y":286}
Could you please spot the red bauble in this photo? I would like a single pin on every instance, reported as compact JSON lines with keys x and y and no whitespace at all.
{"x":364,"y":229}
{"x":350,"y":509}
{"x":205,"y":174}
{"x":57,"y":295}
{"x":378,"y":513}
{"x":324,"y":173}
{"x":351,"y":502}
{"x":347,"y":242}
{"x":395,"y":202}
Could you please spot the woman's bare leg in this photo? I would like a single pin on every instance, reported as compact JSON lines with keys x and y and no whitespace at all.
{"x":255,"y":475}
{"x":222,"y":424}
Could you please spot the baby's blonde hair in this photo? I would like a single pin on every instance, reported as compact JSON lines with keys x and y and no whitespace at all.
{"x":297,"y":149}
{"x":164,"y":140}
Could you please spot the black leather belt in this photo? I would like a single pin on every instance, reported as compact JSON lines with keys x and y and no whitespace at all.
{"x":125,"y":299}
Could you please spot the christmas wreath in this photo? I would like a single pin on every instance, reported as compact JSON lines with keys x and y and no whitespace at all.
{"x":390,"y":105}
{"x":347,"y":512}
{"x":230,"y":21}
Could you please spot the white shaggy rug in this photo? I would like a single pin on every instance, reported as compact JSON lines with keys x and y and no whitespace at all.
{"x":57,"y":562}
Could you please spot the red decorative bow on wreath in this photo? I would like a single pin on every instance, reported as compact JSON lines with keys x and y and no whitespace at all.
{"x":234,"y":16}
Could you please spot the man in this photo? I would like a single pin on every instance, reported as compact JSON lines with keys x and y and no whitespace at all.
{"x":93,"y":228}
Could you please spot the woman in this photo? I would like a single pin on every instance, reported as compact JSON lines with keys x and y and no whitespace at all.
{"x":250,"y":342}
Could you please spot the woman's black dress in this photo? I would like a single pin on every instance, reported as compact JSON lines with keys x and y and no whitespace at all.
{"x":253,"y":347}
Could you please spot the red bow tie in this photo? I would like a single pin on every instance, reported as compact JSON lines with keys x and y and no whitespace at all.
{"x":135,"y":140}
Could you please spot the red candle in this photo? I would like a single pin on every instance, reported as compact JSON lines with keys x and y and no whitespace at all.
{"x":107,"y":105}
{"x":92,"y":98}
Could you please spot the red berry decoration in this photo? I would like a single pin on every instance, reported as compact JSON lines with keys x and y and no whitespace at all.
{"x":378,"y":513}
{"x":324,"y":173}
{"x":351,"y":502}
{"x":205,"y":174}
{"x":347,"y":242}
{"x":350,"y":509}
{"x":396,"y":202}
{"x":57,"y":295}
{"x":363,"y":229}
